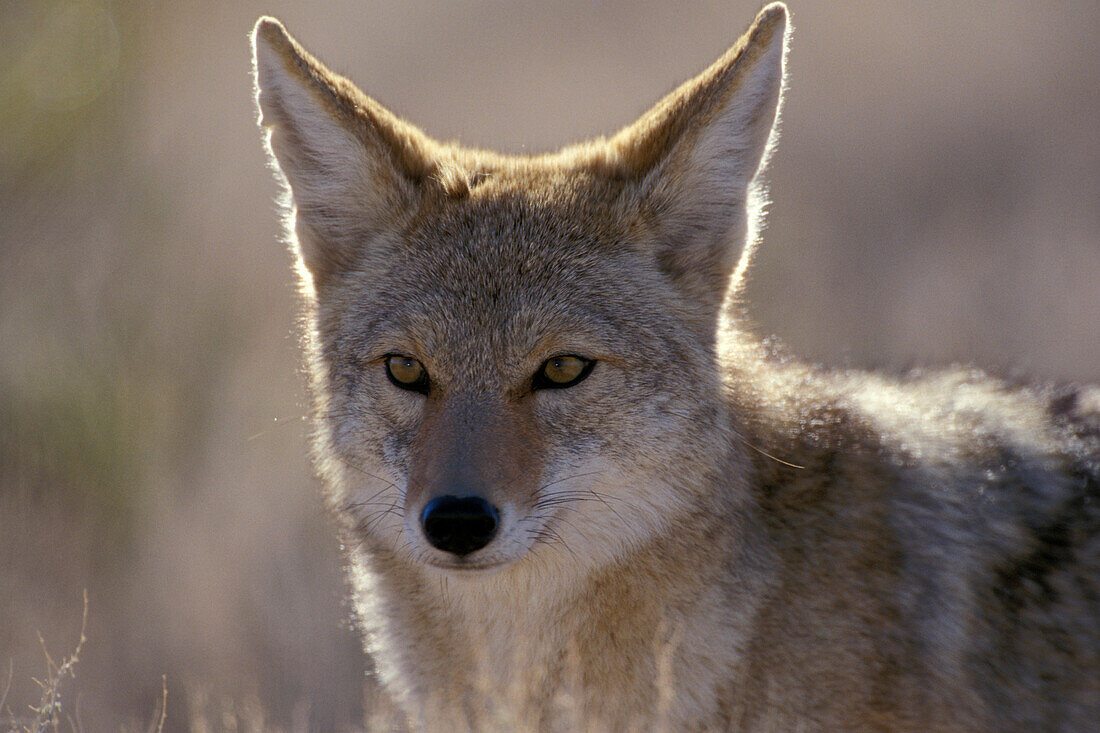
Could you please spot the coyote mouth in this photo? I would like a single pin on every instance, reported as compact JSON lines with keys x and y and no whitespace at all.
{"x":467,"y":567}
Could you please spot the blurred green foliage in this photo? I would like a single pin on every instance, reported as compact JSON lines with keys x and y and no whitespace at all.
{"x":69,"y":426}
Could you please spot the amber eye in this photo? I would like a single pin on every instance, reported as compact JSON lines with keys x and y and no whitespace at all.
{"x":562,"y":371}
{"x":407,"y":373}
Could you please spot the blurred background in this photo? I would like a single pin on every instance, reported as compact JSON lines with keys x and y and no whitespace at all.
{"x":936,"y":199}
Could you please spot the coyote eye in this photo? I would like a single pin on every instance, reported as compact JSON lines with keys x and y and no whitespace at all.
{"x":407,"y":373}
{"x":562,"y":371}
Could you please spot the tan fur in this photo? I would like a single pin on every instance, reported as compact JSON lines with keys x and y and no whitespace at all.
{"x":701,"y":535}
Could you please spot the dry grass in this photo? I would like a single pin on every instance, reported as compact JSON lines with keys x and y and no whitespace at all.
{"x":48,"y":713}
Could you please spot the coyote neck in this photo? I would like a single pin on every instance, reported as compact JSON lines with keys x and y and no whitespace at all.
{"x":532,"y":644}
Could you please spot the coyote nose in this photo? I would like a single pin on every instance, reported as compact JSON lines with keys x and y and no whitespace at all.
{"x":459,"y":525}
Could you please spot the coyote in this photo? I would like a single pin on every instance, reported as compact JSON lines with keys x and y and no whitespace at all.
{"x":576,"y":493}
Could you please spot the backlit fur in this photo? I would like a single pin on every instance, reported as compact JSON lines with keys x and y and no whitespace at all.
{"x":701,"y":535}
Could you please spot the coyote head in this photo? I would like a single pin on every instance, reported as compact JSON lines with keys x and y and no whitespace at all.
{"x":515,"y":359}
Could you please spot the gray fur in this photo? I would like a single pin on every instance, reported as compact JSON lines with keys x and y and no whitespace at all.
{"x":701,"y":535}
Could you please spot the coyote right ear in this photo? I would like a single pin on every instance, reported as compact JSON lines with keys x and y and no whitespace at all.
{"x":696,"y":157}
{"x":353,"y":168}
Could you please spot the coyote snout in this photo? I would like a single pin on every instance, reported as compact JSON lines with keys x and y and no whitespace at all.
{"x":474,"y":466}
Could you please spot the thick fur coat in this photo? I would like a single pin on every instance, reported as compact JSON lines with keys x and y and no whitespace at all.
{"x":694,"y":533}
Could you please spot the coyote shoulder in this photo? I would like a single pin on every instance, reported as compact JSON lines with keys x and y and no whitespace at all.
{"x":576,"y":492}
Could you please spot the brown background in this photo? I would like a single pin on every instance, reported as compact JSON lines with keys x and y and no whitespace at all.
{"x":935,"y":191}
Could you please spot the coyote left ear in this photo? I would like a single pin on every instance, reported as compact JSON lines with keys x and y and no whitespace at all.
{"x":696,"y":155}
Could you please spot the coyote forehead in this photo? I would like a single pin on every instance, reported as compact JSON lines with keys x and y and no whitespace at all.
{"x":517,"y":281}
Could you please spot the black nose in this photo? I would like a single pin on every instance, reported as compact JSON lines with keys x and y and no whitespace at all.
{"x":459,"y":525}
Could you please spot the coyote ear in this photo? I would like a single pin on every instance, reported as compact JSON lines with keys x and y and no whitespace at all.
{"x":352,"y":167}
{"x":695,"y":157}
